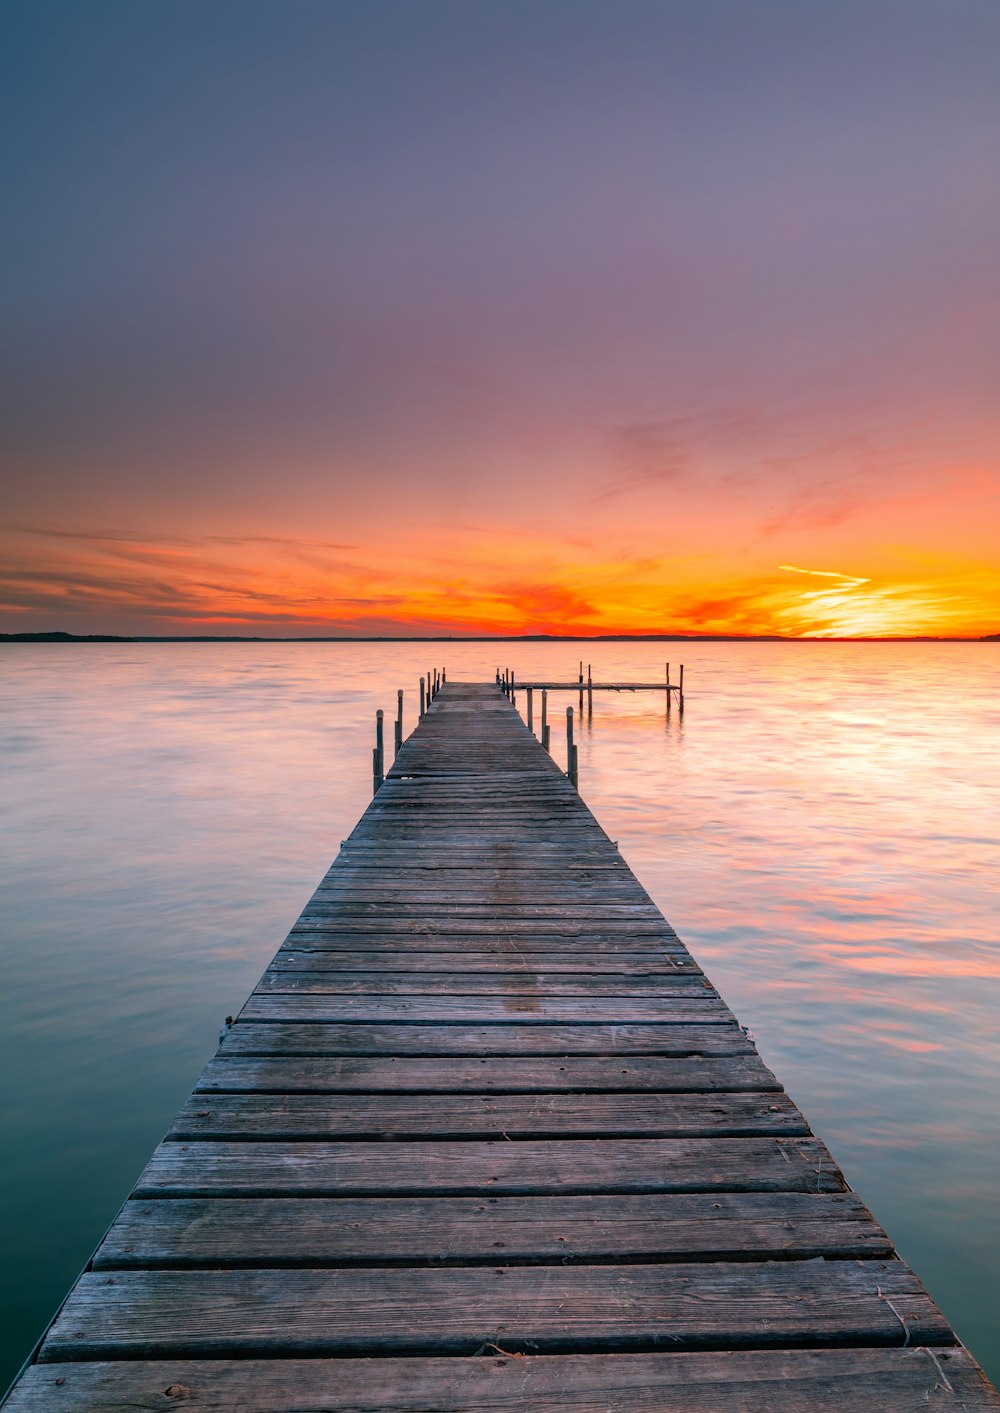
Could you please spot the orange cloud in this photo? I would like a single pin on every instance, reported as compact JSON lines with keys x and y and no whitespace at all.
{"x":127,"y":581}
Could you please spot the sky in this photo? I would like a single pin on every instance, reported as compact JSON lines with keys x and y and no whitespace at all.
{"x":500,"y":316}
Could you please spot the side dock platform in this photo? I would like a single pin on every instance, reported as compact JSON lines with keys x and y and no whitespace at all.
{"x":485,"y":1138}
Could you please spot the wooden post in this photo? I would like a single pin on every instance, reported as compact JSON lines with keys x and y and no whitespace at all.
{"x":376,"y":782}
{"x":444,"y":675}
{"x":531,"y":709}
{"x":569,"y":743}
{"x":680,"y":689}
{"x":581,"y":688}
{"x":576,"y":768}
{"x":512,"y":684}
{"x":422,"y":702}
{"x":590,"y":692}
{"x":399,"y":722}
{"x":380,"y":743}
{"x":545,"y":718}
{"x":669,"y":689}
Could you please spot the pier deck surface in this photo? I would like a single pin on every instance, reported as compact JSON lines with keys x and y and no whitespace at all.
{"x":485,"y":1138}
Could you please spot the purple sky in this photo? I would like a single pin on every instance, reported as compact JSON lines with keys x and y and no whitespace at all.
{"x":590,"y":313}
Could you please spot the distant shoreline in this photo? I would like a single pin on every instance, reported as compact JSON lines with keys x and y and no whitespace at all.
{"x":479,"y":638}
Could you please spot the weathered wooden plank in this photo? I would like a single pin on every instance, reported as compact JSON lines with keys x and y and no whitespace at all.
{"x":207,"y":1168}
{"x":395,"y":880}
{"x":499,"y":936}
{"x":529,"y":1005}
{"x":883,"y":1380}
{"x":378,"y":851}
{"x":522,"y":1308}
{"x":514,"y":980}
{"x":461,"y":1230}
{"x":397,"y":917}
{"x":590,"y":859}
{"x":616,"y":1041}
{"x":514,"y":1116}
{"x":628,"y":964}
{"x":475,"y":906}
{"x":503,"y":1074}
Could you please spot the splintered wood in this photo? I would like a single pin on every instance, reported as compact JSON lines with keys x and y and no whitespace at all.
{"x":486,"y":1138}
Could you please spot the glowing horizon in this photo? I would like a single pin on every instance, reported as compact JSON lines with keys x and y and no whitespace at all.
{"x":122,"y":582}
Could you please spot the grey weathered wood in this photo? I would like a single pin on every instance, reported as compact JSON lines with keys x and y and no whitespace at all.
{"x":912,"y":1380}
{"x":642,"y":965}
{"x":319,"y":1231}
{"x":266,"y":1116}
{"x":613,"y":1041}
{"x":455,"y":1311}
{"x":329,"y":981}
{"x":561,"y":1074}
{"x":207,"y":1168}
{"x":528,"y":1005}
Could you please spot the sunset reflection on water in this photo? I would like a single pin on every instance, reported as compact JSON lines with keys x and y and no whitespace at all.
{"x":821,"y":826}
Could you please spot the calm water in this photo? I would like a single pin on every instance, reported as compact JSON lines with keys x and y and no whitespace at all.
{"x":822,"y":829}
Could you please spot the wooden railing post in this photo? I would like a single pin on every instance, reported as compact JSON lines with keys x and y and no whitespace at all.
{"x":570,"y":748}
{"x":423,"y":704}
{"x":680,"y":689}
{"x":531,"y":724}
{"x":545,"y":718}
{"x":398,"y":741}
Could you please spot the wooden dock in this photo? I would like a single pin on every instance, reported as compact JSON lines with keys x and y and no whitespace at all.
{"x":485,"y":1138}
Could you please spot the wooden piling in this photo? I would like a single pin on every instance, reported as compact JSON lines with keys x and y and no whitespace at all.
{"x":545,"y":718}
{"x":399,"y":723}
{"x":531,"y":724}
{"x":590,"y":691}
{"x":680,"y":689}
{"x":569,"y":744}
{"x":423,"y":703}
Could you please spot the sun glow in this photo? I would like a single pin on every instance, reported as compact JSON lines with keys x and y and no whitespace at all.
{"x":286,"y":584}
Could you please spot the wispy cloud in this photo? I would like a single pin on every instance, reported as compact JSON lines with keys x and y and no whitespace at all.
{"x":848,"y":580}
